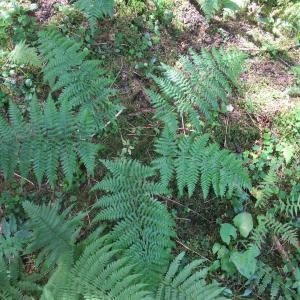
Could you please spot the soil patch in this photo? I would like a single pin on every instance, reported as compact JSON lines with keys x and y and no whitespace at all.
{"x":46,"y":9}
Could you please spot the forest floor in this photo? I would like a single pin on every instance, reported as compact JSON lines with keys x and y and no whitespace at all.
{"x":262,"y":99}
{"x":132,"y":45}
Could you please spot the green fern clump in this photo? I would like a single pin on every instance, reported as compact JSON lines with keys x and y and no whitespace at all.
{"x":268,"y":279}
{"x":23,"y":54}
{"x":62,"y":233}
{"x":15,"y":283}
{"x":13,"y":237}
{"x":270,"y":225}
{"x":186,"y":284}
{"x":89,"y":89}
{"x":95,"y":10}
{"x":211,"y":7}
{"x":200,"y":85}
{"x":277,"y":215}
{"x":98,"y":268}
{"x":289,"y":207}
{"x":50,"y":137}
{"x":193,"y":160}
{"x":100,"y":274}
{"x":60,"y":54}
{"x":81,"y":82}
{"x":143,"y":227}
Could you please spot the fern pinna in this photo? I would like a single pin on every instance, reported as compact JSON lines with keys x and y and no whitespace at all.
{"x":79,"y":81}
{"x":49,"y":138}
{"x":143,"y":227}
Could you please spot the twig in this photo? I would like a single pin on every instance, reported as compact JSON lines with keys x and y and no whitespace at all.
{"x":178,"y":203}
{"x":189,"y":249}
{"x":116,"y":115}
{"x":226,"y":131}
{"x":183,"y":219}
{"x":27,"y":180}
{"x":113,"y":82}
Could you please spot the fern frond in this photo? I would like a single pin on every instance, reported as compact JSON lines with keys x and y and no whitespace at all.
{"x":143,"y":228}
{"x":82,"y":83}
{"x":60,"y":53}
{"x":269,"y":224}
{"x":23,"y":54}
{"x":266,"y":189}
{"x":289,"y":207}
{"x":100,"y":274}
{"x":185,"y":283}
{"x":47,"y":225}
{"x":95,"y":10}
{"x":291,"y":14}
{"x":50,"y":136}
{"x":200,"y":85}
{"x":210,"y":7}
{"x":193,"y":161}
{"x":267,"y":279}
{"x":15,"y":284}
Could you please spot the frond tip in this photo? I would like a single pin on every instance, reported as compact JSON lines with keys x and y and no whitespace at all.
{"x":95,"y":10}
{"x":181,"y":282}
{"x":23,"y":54}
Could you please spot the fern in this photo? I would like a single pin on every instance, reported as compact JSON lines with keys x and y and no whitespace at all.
{"x":268,"y":279}
{"x":95,"y":10}
{"x":60,"y":53}
{"x":12,"y":238}
{"x":276,"y":218}
{"x":186,"y":284}
{"x":289,"y":207}
{"x":23,"y":54}
{"x":193,"y":161}
{"x":143,"y":225}
{"x":82,"y":83}
{"x":291,"y":14}
{"x":200,"y":86}
{"x":100,"y":274}
{"x":88,"y":89}
{"x":211,"y":7}
{"x":269,"y":224}
{"x":15,"y":284}
{"x":49,"y":137}
{"x":51,"y":227}
{"x":98,"y":268}
{"x":266,"y":189}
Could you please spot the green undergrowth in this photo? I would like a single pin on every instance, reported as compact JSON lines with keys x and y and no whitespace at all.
{"x":140,"y":159}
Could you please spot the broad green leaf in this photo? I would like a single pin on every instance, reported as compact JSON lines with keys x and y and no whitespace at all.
{"x":227,"y":265}
{"x":245,"y":262}
{"x":226,"y":231}
{"x":244,"y":223}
